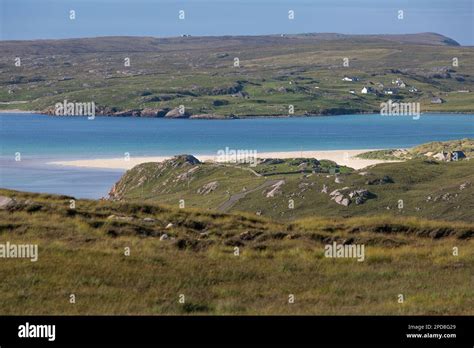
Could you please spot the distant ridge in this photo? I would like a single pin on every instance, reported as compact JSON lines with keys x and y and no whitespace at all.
{"x":155,"y":44}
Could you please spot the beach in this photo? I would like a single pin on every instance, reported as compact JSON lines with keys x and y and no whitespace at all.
{"x":341,"y":157}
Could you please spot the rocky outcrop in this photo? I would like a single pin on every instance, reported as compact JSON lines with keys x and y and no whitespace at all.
{"x":112,"y":111}
{"x":360,"y":196}
{"x":177,"y":113}
{"x":6,"y":202}
{"x":187,"y":175}
{"x":181,"y":160}
{"x":208,"y":188}
{"x":275,"y":189}
{"x":151,"y":112}
{"x":345,"y":197}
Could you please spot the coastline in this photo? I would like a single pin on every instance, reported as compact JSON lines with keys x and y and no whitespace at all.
{"x":234,"y":117}
{"x":341,"y":157}
{"x":18,"y":111}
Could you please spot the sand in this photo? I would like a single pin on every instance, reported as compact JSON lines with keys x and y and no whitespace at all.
{"x":342,"y":157}
{"x":17,"y":111}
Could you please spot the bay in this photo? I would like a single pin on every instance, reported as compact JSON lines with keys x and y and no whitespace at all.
{"x":41,"y":139}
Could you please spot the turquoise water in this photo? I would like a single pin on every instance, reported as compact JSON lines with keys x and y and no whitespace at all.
{"x":41,"y":138}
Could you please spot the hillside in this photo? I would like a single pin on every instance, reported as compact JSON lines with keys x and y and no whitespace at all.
{"x":426,"y":151}
{"x":192,"y":253}
{"x":273,"y":72}
{"x":286,"y":190}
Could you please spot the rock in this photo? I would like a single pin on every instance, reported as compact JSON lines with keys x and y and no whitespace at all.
{"x":275,"y":189}
{"x":340,"y":196}
{"x":6,"y":202}
{"x":127,"y":113}
{"x":338,"y":199}
{"x":324,"y":189}
{"x":186,"y":175}
{"x":151,"y":112}
{"x":338,"y":180}
{"x":169,"y":225}
{"x":464,"y":185}
{"x":360,"y":196}
{"x":164,"y":236}
{"x":208,"y":188}
{"x":181,"y":161}
{"x":177,"y":113}
{"x":147,"y":219}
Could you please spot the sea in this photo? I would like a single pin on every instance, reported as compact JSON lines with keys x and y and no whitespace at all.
{"x":28,"y":142}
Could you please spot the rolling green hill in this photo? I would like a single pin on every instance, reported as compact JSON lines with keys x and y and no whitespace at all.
{"x":274,"y":72}
{"x":286,"y":190}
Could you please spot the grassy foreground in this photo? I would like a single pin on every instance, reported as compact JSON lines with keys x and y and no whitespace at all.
{"x":81,"y":252}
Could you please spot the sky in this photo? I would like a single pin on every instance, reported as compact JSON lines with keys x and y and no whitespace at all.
{"x":49,"y":19}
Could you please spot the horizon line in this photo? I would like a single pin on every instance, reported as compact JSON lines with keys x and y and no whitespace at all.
{"x":243,"y":35}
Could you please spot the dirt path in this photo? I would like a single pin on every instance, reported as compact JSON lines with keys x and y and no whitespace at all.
{"x":235,"y":198}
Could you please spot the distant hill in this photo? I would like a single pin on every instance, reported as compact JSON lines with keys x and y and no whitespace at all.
{"x":154,"y":44}
{"x":238,"y":76}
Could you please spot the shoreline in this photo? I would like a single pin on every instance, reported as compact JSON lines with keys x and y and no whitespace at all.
{"x":233,"y":117}
{"x":18,"y":111}
{"x":341,"y":157}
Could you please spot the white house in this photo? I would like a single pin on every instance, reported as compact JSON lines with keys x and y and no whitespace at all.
{"x":367,"y":90}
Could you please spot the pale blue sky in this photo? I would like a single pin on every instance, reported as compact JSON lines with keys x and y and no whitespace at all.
{"x":45,"y":19}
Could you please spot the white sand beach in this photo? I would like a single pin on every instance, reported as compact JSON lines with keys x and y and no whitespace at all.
{"x":341,"y":157}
